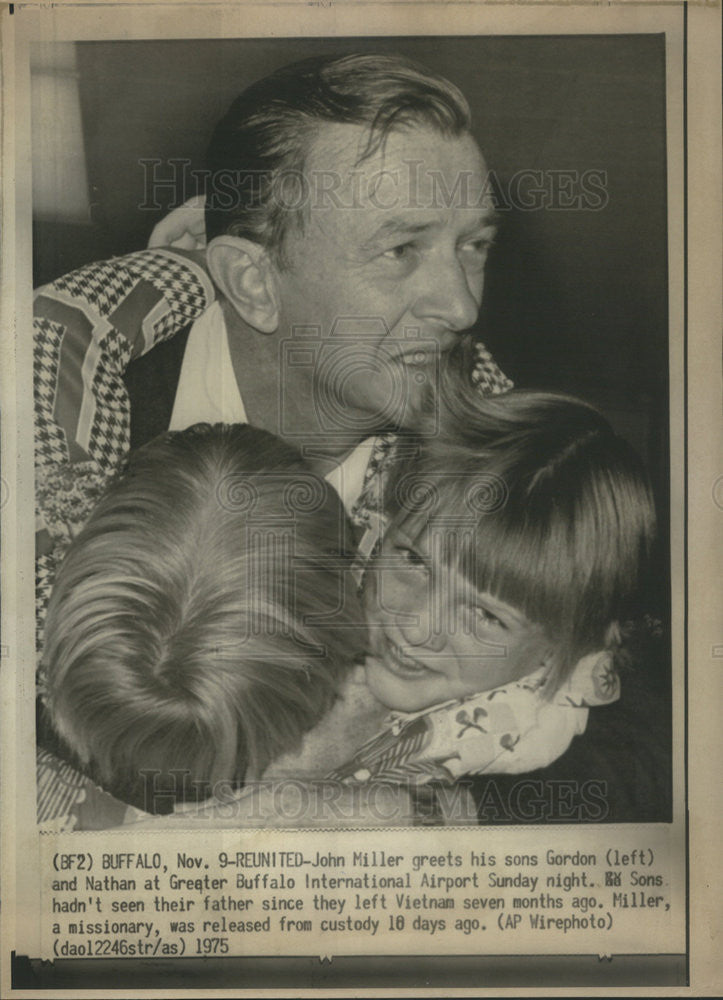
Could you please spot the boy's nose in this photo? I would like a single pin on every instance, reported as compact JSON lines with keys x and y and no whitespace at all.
{"x":421,"y":633}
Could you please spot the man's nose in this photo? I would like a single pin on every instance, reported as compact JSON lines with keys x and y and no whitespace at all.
{"x":449,"y":295}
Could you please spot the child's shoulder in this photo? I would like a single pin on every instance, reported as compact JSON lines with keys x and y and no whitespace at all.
{"x":351,"y":721}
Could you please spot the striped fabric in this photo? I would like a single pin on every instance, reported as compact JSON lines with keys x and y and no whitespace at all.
{"x":59,"y":788}
{"x":67,"y":800}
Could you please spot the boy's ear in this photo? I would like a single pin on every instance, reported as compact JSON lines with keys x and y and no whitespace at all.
{"x":244,"y":273}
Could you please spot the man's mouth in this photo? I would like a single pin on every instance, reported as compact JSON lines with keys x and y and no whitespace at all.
{"x":415,"y":359}
{"x":421,"y":356}
{"x":423,"y":359}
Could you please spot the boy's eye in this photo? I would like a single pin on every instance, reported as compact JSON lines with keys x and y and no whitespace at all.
{"x":409,"y":556}
{"x":486,"y":619}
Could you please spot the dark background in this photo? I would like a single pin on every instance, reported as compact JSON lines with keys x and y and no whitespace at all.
{"x":575,"y":299}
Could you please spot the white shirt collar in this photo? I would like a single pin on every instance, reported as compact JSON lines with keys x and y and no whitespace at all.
{"x":208,"y":393}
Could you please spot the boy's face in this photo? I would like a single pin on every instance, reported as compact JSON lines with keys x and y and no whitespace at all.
{"x":433,"y":636}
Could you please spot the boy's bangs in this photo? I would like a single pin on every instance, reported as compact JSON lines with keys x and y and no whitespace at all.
{"x":523,"y":565}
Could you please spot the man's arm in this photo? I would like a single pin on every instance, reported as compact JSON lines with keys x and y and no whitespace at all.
{"x":88,"y":326}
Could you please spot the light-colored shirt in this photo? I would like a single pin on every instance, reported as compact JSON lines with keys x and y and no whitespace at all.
{"x":209,"y":393}
{"x":207,"y":388}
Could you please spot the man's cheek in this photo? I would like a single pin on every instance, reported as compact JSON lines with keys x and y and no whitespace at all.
{"x":476,"y":286}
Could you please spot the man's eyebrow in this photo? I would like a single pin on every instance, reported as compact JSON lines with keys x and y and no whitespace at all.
{"x":400,"y":226}
{"x":488,"y":220}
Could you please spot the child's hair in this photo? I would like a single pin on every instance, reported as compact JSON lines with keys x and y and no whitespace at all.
{"x":539,"y":503}
{"x":200,"y":622}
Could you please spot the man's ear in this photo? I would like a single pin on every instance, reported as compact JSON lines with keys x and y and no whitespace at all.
{"x":244,"y":273}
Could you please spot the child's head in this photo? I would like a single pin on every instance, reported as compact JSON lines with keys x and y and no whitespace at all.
{"x":196,"y":624}
{"x":517,"y":538}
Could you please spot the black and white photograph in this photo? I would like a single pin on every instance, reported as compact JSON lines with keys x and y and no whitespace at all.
{"x":358,"y":393}
{"x":445,"y":298}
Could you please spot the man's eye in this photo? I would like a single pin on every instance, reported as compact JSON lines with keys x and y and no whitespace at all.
{"x":400,"y":252}
{"x":479,"y":246}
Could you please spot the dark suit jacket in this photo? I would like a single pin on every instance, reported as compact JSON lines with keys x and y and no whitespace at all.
{"x":152,"y":381}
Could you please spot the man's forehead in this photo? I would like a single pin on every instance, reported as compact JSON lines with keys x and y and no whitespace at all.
{"x":409,"y":184}
{"x":336,"y":145}
{"x":343,"y":147}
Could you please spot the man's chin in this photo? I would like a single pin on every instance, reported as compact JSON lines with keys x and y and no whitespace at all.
{"x":402,"y":410}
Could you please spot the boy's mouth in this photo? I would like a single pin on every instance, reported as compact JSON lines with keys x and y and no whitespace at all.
{"x":400,"y":663}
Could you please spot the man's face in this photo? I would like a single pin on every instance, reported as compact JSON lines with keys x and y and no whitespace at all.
{"x":389,"y":267}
